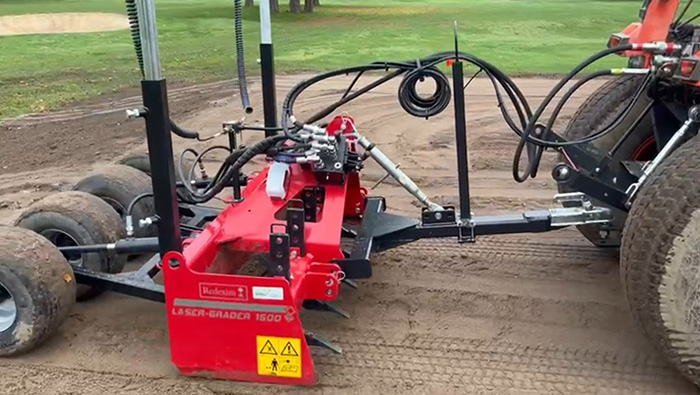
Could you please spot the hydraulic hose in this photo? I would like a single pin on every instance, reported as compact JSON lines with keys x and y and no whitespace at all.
{"x":233,"y":164}
{"x":413,"y":103}
{"x":240,"y":57}
{"x":525,"y":137}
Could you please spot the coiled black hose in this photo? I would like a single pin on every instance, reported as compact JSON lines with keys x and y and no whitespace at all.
{"x":240,"y":57}
{"x":413,"y":103}
{"x":132,"y":13}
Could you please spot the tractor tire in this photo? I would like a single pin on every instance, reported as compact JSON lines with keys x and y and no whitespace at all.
{"x":37,"y":290}
{"x":119,"y":185}
{"x":660,"y":259}
{"x":595,"y":114}
{"x":77,"y":218}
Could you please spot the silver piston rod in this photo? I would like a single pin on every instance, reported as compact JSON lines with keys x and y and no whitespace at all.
{"x":691,"y":122}
{"x":393,"y":170}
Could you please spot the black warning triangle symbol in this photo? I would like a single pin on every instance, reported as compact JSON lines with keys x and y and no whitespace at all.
{"x":268,"y":349}
{"x":289,"y":350}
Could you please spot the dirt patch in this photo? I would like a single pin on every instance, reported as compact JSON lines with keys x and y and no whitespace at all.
{"x":91,"y":133}
{"x":69,"y":22}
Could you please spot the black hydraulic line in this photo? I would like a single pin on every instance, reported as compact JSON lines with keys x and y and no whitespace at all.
{"x":240,"y":57}
{"x":555,"y":114}
{"x":198,"y":160}
{"x":352,"y":84}
{"x":527,"y":120}
{"x":526,"y":136}
{"x":685,"y":9}
{"x":138,"y":198}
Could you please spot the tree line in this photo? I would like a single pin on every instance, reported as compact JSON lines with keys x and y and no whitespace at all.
{"x":294,"y":5}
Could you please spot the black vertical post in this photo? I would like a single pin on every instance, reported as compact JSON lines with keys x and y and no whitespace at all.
{"x":461,"y":139}
{"x":267,"y":69}
{"x":160,"y":152}
{"x":235,"y":181}
{"x":160,"y":145}
{"x":267,"y":64}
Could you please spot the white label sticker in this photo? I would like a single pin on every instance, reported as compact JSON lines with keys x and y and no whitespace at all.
{"x":268,"y":293}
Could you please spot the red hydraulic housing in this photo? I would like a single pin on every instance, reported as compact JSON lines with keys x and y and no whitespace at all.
{"x":234,"y":295}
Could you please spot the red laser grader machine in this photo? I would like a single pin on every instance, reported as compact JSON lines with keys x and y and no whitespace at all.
{"x":235,"y":279}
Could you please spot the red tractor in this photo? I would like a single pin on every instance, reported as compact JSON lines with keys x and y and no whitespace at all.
{"x":235,"y":279}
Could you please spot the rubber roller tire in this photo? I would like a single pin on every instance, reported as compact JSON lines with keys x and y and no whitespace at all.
{"x":596,"y":113}
{"x":141,"y":162}
{"x":78,"y":218}
{"x":119,"y":185}
{"x":660,"y":259}
{"x":37,"y":290}
{"x":137,"y":161}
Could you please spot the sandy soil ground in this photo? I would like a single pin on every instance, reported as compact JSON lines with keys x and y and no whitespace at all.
{"x":69,"y":22}
{"x":525,"y":314}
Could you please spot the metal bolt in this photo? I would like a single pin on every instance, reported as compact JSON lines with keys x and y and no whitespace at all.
{"x":562,"y":173}
{"x":278,"y":240}
{"x":329,"y":292}
{"x":358,"y":211}
{"x":174,"y":263}
{"x":134,"y":113}
{"x":279,"y":255}
{"x":438,"y":216}
{"x":604,"y":234}
{"x":295,"y":227}
{"x":329,"y":282}
{"x":293,"y":254}
{"x":597,"y":169}
{"x":614,"y":180}
{"x":338,"y":165}
{"x":279,"y":268}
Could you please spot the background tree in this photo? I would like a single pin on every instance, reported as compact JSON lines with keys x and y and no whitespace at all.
{"x":295,"y":6}
{"x":249,"y":3}
{"x":309,"y":5}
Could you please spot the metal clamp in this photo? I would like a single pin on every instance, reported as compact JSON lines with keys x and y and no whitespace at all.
{"x":461,"y":238}
{"x":584,"y":213}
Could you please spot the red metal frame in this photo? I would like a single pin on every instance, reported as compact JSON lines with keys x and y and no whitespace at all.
{"x":243,"y":327}
{"x":654,"y":28}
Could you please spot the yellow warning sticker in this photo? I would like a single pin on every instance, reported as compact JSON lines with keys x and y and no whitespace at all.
{"x":279,"y":356}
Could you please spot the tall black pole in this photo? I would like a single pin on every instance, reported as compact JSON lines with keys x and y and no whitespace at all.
{"x":267,"y":65}
{"x":160,"y":148}
{"x":461,"y":139}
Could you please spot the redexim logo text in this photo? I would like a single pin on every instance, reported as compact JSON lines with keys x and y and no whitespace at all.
{"x":223,"y":291}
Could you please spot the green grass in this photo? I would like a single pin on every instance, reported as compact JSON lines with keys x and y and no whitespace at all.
{"x":41,"y":72}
